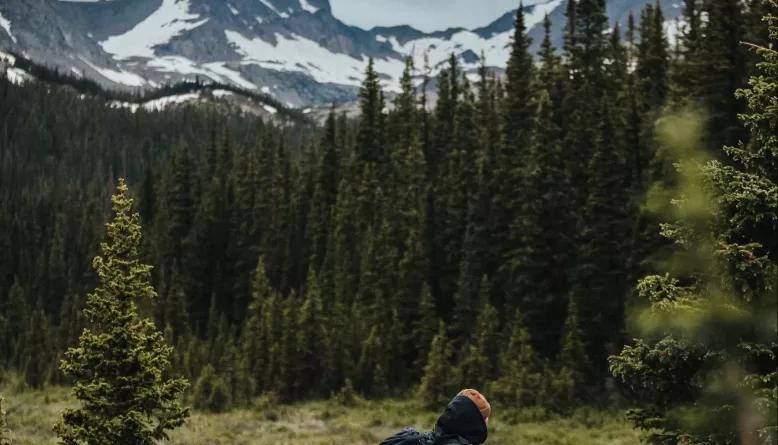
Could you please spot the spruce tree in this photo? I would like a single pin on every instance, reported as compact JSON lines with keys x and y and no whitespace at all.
{"x":723,"y":71}
{"x":369,"y":140}
{"x":311,"y":338}
{"x":599,"y":281}
{"x":117,"y":366}
{"x":254,"y":337}
{"x":542,"y":260}
{"x":517,"y":121}
{"x":520,"y":379}
{"x":479,"y":359}
{"x":573,"y":364}
{"x":17,"y":314}
{"x":424,"y":328}
{"x":180,"y":198}
{"x":211,"y":392}
{"x":326,"y":191}
{"x":704,"y":369}
{"x":438,"y":380}
{"x":37,"y":346}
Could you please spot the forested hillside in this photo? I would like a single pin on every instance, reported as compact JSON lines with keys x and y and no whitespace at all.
{"x":493,"y":241}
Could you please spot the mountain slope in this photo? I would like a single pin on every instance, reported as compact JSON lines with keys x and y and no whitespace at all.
{"x":295,"y":50}
{"x":18,"y":70}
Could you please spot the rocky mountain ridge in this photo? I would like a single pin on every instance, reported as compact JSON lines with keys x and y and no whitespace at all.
{"x":294,"y":50}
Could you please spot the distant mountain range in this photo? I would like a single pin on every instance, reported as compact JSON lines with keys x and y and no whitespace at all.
{"x":293,"y":50}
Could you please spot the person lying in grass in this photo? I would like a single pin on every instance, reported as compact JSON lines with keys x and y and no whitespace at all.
{"x":463,"y":422}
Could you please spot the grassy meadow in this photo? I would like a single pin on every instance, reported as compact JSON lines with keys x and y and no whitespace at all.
{"x":32,"y":414}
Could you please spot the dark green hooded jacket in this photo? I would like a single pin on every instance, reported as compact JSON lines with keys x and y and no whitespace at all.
{"x":461,"y":424}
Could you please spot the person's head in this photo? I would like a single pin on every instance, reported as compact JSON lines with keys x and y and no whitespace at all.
{"x":480,"y":401}
{"x":466,"y":416}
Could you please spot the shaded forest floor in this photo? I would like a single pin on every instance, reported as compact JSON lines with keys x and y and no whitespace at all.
{"x":32,"y":414}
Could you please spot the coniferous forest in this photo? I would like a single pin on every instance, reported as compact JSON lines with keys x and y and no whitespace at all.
{"x":510,"y":238}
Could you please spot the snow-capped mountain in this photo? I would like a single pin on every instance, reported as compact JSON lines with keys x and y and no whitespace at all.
{"x":294,"y":50}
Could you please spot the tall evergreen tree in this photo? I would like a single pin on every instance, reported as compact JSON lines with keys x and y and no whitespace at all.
{"x":369,"y":140}
{"x":539,"y":267}
{"x":117,"y":367}
{"x":438,"y":381}
{"x":600,"y":275}
{"x":518,"y":115}
{"x":721,"y":370}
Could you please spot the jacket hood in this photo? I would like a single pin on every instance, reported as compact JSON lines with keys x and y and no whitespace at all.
{"x":463,"y":418}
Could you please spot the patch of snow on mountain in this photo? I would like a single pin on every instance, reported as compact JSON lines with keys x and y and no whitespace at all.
{"x":270,"y":6}
{"x":222,"y":93}
{"x":540,"y":10}
{"x":75,"y":71}
{"x":380,"y":38}
{"x":162,"y":102}
{"x":259,"y":19}
{"x":299,"y":54}
{"x":17,"y":75}
{"x":271,"y":110}
{"x":496,"y":49}
{"x":290,"y":54}
{"x":233,"y":10}
{"x":122,"y":77}
{"x":168,"y":21}
{"x":6,"y":25}
{"x":308,"y":7}
{"x":233,"y":76}
{"x":266,"y":90}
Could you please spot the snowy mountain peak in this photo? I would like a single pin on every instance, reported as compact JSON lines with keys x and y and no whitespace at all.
{"x":295,"y":50}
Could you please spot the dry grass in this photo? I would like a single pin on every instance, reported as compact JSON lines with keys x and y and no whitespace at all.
{"x":32,"y":414}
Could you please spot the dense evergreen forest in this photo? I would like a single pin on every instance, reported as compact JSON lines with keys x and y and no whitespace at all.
{"x":495,"y":240}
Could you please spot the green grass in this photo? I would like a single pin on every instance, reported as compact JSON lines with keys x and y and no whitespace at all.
{"x":32,"y":414}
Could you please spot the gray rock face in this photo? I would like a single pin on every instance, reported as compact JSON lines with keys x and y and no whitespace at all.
{"x":295,"y":50}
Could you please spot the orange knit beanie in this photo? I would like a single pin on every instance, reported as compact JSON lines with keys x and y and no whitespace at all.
{"x":480,"y":401}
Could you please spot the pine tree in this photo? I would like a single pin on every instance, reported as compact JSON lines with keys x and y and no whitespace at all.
{"x":181,"y":199}
{"x":211,"y":392}
{"x":311,"y":337}
{"x":37,"y":346}
{"x":715,"y":301}
{"x":687,"y":66}
{"x":723,"y":71}
{"x":600,"y":275}
{"x":437,"y":383}
{"x":117,"y":367}
{"x":550,"y":76}
{"x":17,"y":314}
{"x":517,"y":118}
{"x":373,"y":355}
{"x":541,"y":263}
{"x":369,"y":141}
{"x":326,"y":191}
{"x":573,"y":363}
{"x":480,"y":356}
{"x":520,"y":379}
{"x":254,"y":338}
{"x":285,"y":354}
{"x":424,"y":329}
